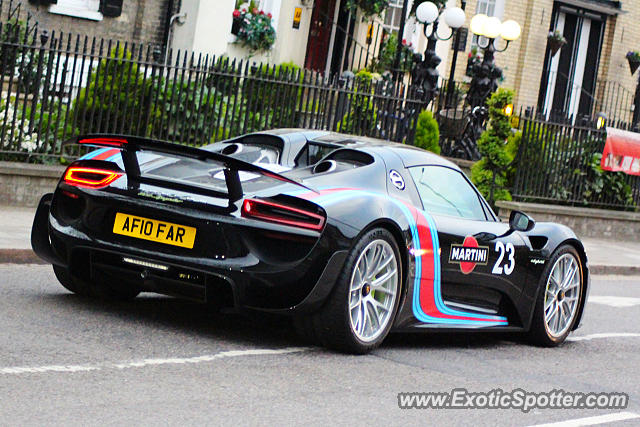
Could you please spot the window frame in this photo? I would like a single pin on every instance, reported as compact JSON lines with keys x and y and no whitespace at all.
{"x":498,"y":10}
{"x":395,"y":7}
{"x":305,"y":153}
{"x":68,"y":8}
{"x":490,"y":216}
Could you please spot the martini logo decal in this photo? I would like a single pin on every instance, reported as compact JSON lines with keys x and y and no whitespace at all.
{"x":469,"y":254}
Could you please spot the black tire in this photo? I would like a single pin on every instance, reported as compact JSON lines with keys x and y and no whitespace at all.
{"x":120,"y":292}
{"x":539,"y":334}
{"x":71,"y":283}
{"x":304,"y":327}
{"x":331,"y":325}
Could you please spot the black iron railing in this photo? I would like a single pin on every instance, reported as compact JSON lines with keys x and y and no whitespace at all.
{"x":559,"y":163}
{"x":60,"y":85}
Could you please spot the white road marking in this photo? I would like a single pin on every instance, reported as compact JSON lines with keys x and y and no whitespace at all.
{"x":16,"y":370}
{"x":590,"y":421}
{"x":607,"y":335}
{"x":618,"y":302}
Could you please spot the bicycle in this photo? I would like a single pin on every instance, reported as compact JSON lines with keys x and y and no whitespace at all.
{"x":460,"y":130}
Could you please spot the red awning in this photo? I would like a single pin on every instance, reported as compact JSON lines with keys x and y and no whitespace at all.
{"x":621,"y":152}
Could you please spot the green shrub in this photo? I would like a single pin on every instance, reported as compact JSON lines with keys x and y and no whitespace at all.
{"x":185,"y":112}
{"x":490,"y":173}
{"x":361,"y":118}
{"x":225,"y":76}
{"x":386,"y":59}
{"x":274,"y":93}
{"x":599,"y":182}
{"x":116,"y":98}
{"x":427,"y":132}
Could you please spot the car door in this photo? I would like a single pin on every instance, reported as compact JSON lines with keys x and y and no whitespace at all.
{"x":481,"y":261}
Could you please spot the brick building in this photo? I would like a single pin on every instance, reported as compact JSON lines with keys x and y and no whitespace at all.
{"x":141,"y":21}
{"x":578,"y":79}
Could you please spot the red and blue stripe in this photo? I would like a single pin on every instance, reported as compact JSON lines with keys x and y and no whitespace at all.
{"x":428,"y":305}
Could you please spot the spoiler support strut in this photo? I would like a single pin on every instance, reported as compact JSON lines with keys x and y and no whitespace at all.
{"x":129,"y":145}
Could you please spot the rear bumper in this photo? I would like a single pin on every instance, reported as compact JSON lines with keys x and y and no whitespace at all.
{"x":246,"y":282}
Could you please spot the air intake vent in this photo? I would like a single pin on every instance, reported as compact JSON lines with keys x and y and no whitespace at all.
{"x":325,"y":166}
{"x":538,"y":242}
{"x":232,"y":149}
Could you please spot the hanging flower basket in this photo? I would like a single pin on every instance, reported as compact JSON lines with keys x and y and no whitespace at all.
{"x":634,"y":60}
{"x":556,"y":41}
{"x":254,"y":29}
{"x":369,"y":8}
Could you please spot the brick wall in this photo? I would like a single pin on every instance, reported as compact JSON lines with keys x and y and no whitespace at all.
{"x":141,"y":21}
{"x":523,"y":61}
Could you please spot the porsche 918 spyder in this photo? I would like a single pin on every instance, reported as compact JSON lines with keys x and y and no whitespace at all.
{"x":350,"y":236}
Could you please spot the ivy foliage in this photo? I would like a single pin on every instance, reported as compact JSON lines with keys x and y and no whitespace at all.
{"x":490,"y":173}
{"x":427,"y":132}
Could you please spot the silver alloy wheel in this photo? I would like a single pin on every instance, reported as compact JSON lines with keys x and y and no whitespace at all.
{"x":562,"y":295}
{"x":373,"y":290}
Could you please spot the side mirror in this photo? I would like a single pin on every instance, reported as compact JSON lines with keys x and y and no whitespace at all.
{"x":520,"y":221}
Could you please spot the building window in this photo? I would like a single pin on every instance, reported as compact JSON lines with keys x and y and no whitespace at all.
{"x":489,"y":8}
{"x":393,"y":17}
{"x":87,"y":9}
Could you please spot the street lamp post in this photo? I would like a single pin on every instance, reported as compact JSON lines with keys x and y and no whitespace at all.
{"x":452,"y":73}
{"x":425,"y":75}
{"x":485,"y":75}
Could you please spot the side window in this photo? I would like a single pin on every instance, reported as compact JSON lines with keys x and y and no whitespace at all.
{"x":445,"y":191}
{"x":313,"y":153}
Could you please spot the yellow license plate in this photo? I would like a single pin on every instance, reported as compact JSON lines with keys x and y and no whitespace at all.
{"x":154,"y":230}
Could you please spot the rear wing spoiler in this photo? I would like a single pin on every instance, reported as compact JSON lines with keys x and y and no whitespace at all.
{"x":129,"y":145}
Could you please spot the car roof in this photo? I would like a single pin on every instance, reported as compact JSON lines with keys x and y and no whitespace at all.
{"x":411,"y":156}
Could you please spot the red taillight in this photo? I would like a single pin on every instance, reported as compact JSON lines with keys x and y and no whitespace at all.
{"x":282,"y":214}
{"x":90,"y":177}
{"x":112,"y":142}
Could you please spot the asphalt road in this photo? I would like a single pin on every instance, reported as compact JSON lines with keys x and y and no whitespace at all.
{"x":157,"y":360}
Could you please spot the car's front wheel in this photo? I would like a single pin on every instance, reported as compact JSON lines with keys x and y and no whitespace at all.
{"x":361,"y":309}
{"x":559,"y":298}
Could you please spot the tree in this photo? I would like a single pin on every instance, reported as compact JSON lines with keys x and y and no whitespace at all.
{"x":490,"y":173}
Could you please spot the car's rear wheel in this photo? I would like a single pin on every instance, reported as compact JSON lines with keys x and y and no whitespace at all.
{"x":119,"y":292}
{"x":361,"y":309}
{"x":559,"y":298}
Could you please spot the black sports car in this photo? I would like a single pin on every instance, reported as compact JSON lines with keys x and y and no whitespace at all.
{"x":352,"y":237}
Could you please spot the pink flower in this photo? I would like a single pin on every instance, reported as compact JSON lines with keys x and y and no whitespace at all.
{"x":236,"y":13}
{"x":269,"y":15}
{"x":254,"y":11}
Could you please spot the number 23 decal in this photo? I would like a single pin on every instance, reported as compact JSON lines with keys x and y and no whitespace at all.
{"x":510,"y":264}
